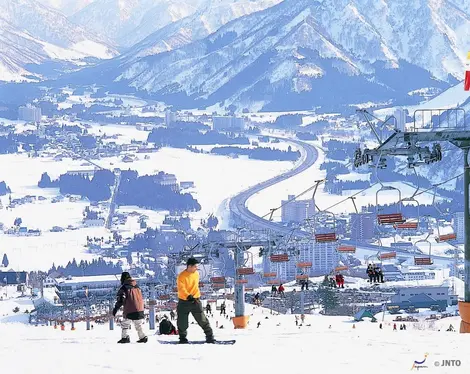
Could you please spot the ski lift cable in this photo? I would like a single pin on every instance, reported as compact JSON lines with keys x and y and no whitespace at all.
{"x":313,"y":187}
{"x":427,"y":190}
{"x":291,"y":200}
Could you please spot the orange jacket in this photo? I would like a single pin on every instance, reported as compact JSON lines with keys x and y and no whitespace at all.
{"x":188,"y":284}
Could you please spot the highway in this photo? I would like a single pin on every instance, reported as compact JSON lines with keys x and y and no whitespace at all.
{"x":239,"y":210}
{"x":237,"y":205}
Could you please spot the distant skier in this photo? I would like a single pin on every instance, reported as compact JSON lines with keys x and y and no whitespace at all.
{"x":167,"y":328}
{"x":188,"y":302}
{"x":376,"y":274}
{"x":130,"y":296}
{"x":281,"y":290}
{"x":208,"y":308}
{"x":394,"y":327}
{"x":370,"y":272}
{"x":257,"y":299}
{"x":333,"y":282}
{"x":296,"y":320}
{"x":274,"y":290}
{"x":380,"y":276}
{"x":341,"y":278}
{"x":172,"y":315}
{"x":223,"y":309}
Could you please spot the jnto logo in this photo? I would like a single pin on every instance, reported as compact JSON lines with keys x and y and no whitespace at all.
{"x":420,"y":364}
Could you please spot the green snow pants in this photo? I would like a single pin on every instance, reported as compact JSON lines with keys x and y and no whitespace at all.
{"x":195,"y":308}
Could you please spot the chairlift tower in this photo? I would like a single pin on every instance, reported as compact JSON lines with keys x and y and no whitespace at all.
{"x":243,"y":266}
{"x":409,"y":144}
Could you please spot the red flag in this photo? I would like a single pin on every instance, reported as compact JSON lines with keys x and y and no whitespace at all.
{"x":466,"y":85}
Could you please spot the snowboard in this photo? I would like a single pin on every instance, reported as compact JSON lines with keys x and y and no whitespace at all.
{"x":218,"y":342}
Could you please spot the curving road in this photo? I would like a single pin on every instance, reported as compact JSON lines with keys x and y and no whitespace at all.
{"x":240,"y":211}
{"x":237,"y":205}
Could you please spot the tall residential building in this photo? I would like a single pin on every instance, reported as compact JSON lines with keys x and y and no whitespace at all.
{"x":296,"y":210}
{"x":29,"y":113}
{"x":362,"y":226}
{"x":170,"y":117}
{"x":400,"y":115}
{"x":228,"y":123}
{"x":323,"y":256}
{"x":459,"y":226}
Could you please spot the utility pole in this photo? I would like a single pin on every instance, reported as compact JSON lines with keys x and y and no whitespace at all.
{"x":406,"y":144}
{"x":152,"y":303}
{"x":111,"y":317}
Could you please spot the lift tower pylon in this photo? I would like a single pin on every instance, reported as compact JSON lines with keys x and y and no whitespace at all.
{"x":407,"y":143}
{"x":240,"y":247}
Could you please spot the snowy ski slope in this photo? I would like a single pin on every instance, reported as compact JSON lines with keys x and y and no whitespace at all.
{"x":277,"y":346}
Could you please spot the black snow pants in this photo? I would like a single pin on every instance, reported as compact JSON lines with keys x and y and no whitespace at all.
{"x":195,"y":308}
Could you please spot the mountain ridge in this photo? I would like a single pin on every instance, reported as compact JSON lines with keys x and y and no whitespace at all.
{"x":33,"y":34}
{"x":343,"y":39}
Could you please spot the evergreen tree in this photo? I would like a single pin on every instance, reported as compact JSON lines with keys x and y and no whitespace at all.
{"x":45,"y":181}
{"x":328,"y":298}
{"x":5,"y":261}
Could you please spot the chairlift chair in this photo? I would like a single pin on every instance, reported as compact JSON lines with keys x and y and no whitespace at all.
{"x":325,"y":227}
{"x":444,"y":237}
{"x":413,"y":223}
{"x":441,"y":237}
{"x":381,"y":254}
{"x":387,"y":255}
{"x":424,"y":259}
{"x":280,"y":257}
{"x":303,"y":268}
{"x":247,"y":267}
{"x":269,"y":275}
{"x":346,"y":249}
{"x":391,"y":218}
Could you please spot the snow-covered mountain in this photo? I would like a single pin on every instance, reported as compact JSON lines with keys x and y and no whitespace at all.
{"x":16,"y":50}
{"x":129,"y":21}
{"x":303,"y":53}
{"x":32,"y":34}
{"x":207,"y":20}
{"x":53,"y":27}
{"x":67,"y":7}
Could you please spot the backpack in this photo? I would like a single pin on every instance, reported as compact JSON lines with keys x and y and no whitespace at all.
{"x":166,"y":327}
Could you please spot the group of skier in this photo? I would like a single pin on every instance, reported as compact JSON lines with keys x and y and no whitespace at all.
{"x":375,"y":274}
{"x":130,"y":298}
{"x":278,"y":291}
{"x":302,"y":319}
{"x":336,"y":281}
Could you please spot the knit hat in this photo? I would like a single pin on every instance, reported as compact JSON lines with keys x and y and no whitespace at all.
{"x":125,"y":276}
{"x":192,"y":261}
